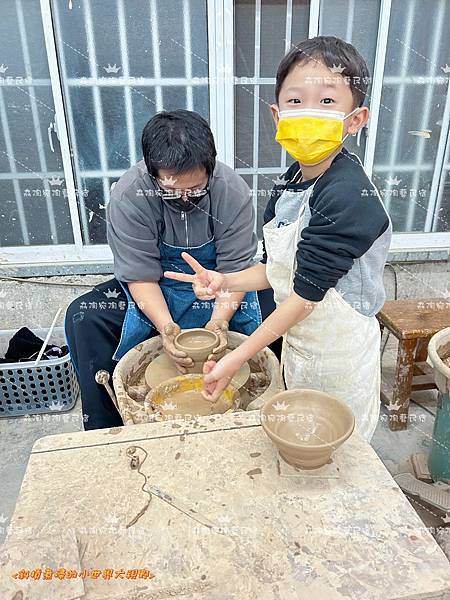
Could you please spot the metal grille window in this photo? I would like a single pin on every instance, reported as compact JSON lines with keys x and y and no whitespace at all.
{"x":413,"y":124}
{"x":264,"y":31}
{"x":33,"y":208}
{"x":405,"y":147}
{"x":442,"y":209}
{"x":120,"y":65}
{"x":80,"y":78}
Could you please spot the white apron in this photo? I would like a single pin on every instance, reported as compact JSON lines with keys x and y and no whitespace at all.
{"x":335,"y":348}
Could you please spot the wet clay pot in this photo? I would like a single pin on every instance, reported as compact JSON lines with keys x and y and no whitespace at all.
{"x":198,"y":345}
{"x":306,"y":426}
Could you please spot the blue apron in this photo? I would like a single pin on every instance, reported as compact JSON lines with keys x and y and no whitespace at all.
{"x":184,"y":306}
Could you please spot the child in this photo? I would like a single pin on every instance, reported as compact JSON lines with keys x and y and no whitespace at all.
{"x":326,"y":238}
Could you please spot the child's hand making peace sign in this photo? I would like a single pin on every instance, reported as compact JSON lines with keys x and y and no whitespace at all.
{"x":206,"y":284}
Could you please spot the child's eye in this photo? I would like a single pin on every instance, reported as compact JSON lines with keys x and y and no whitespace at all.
{"x":294,"y":101}
{"x":327,"y":100}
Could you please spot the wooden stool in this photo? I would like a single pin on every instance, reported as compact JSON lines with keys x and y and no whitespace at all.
{"x":413,"y":322}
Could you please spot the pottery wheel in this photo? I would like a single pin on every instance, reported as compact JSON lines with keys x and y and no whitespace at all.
{"x":162,"y":368}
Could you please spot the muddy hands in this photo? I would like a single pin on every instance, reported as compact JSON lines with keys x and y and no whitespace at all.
{"x":181,"y":359}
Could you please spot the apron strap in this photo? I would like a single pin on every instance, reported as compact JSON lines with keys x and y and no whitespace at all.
{"x":309,"y":191}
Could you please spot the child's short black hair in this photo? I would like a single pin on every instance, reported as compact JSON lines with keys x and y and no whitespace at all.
{"x":333,"y":52}
{"x":179,"y":140}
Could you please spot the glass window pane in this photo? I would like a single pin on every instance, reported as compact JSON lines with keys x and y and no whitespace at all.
{"x":19,"y":121}
{"x":73,"y":23}
{"x":198,"y":39}
{"x":244,"y":95}
{"x":174,"y":97}
{"x":406,"y":196}
{"x":269,"y":149}
{"x":139,"y":41}
{"x":113,"y":104}
{"x":82,"y":121}
{"x":441,"y":221}
{"x":34,"y":205}
{"x":273,"y":34}
{"x":442,"y":216}
{"x":244,"y":38}
{"x":95,"y":209}
{"x":355,"y":21}
{"x":272,"y":22}
{"x":10,"y":230}
{"x":12,"y":52}
{"x":300,"y":21}
{"x":38,"y":205}
{"x":172,"y":48}
{"x":106,"y":13}
{"x":200,"y":95}
{"x":144,"y":108}
{"x":412,"y":105}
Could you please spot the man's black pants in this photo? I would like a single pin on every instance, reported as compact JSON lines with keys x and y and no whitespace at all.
{"x":93,"y":326}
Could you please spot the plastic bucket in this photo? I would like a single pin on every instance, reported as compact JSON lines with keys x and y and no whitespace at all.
{"x":439,"y":458}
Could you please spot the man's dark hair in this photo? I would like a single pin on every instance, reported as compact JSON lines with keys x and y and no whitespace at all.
{"x":179,"y":140}
{"x":332,"y":52}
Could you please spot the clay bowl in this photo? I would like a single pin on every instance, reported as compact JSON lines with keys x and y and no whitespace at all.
{"x":306,"y":426}
{"x":181,"y":396}
{"x":198,"y":344}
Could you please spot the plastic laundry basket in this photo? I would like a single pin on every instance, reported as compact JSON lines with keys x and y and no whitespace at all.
{"x":28,"y":390}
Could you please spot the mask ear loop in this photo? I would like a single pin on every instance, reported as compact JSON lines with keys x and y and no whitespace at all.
{"x":358,"y":137}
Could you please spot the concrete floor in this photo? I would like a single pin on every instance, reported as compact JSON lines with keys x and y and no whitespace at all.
{"x":17,"y":436}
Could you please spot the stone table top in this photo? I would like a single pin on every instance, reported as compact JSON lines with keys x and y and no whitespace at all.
{"x":226,"y":521}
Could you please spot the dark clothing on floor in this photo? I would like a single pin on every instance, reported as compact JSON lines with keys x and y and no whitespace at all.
{"x":25,"y":345}
{"x":93,"y":326}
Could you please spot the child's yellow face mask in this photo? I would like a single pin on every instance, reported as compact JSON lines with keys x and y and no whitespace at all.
{"x":311,"y":135}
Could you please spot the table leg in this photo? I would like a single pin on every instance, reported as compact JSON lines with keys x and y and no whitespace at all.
{"x":398,"y":409}
{"x":422,"y":349}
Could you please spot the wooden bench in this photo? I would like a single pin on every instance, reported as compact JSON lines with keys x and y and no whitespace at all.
{"x":413,"y":322}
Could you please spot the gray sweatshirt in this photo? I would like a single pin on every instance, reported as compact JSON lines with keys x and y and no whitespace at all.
{"x":135,"y":217}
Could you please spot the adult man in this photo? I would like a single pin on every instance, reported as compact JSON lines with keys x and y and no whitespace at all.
{"x":178,"y":198}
